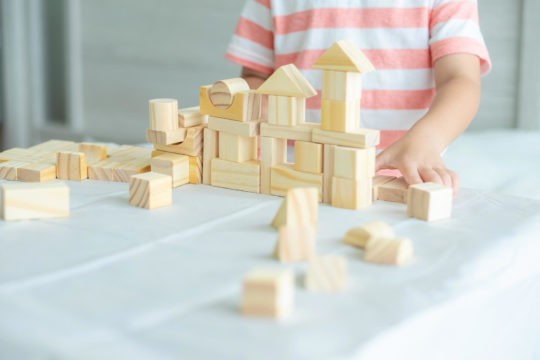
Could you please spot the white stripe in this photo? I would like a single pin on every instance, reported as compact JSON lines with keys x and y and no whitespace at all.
{"x":251,"y":51}
{"x":259,"y":14}
{"x":456,"y":28}
{"x":379,"y":119}
{"x":281,"y":8}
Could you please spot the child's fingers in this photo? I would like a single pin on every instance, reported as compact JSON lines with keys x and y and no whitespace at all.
{"x":445,"y":177}
{"x":411,"y":175}
{"x":430,"y":175}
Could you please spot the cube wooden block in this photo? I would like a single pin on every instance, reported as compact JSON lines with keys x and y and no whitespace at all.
{"x":351,"y":194}
{"x":300,"y":207}
{"x":354,"y":164}
{"x":326,"y":274}
{"x":174,"y":165}
{"x":196,"y":170}
{"x":210,"y":152}
{"x":284,"y":177}
{"x":93,"y":152}
{"x":358,"y":138}
{"x":163,"y":114}
{"x":273,"y":152}
{"x":341,"y":86}
{"x":268,"y":293}
{"x":429,"y":201}
{"x":359,"y":236}
{"x":342,"y":116}
{"x":388,"y":251}
{"x":168,"y":137}
{"x":295,"y":243}
{"x":189,"y":117}
{"x":246,"y":128}
{"x":9,"y":169}
{"x":150,"y":190}
{"x":237,"y":176}
{"x":328,"y":171}
{"x":71,"y":166}
{"x":237,"y":148}
{"x":286,"y":110}
{"x":308,"y":157}
{"x":36,"y":172}
{"x":393,"y":191}
{"x":20,"y":201}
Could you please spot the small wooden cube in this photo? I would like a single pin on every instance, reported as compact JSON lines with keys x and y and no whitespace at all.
{"x":308,"y":157}
{"x":340,"y":116}
{"x":71,"y":166}
{"x":354,"y":164}
{"x":37,"y":172}
{"x":359,"y":236}
{"x":237,"y":148}
{"x":351,"y":194}
{"x":429,"y":201}
{"x":20,"y":201}
{"x":93,"y":152}
{"x":295,"y":243}
{"x":268,"y":293}
{"x":388,"y":251}
{"x":326,"y":274}
{"x":174,"y":165}
{"x":150,"y":190}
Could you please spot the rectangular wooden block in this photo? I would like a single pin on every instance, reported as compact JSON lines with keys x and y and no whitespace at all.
{"x":55,"y":146}
{"x":36,"y":172}
{"x":359,"y":138}
{"x":393,"y":191}
{"x":286,"y":110}
{"x":210,"y":152}
{"x":308,"y":157}
{"x":351,"y":194}
{"x":341,"y":86}
{"x":342,"y":116}
{"x":163,"y":114}
{"x":166,"y":137}
{"x":328,"y":172}
{"x":237,"y":148}
{"x":256,"y":102}
{"x":284,"y":177}
{"x":93,"y":152}
{"x":238,"y":110}
{"x":295,"y":243}
{"x":300,"y":207}
{"x":9,"y":169}
{"x":150,"y":190}
{"x":175,"y":165}
{"x":301,"y":132}
{"x":195,"y":170}
{"x":326,"y":274}
{"x":127,"y":168}
{"x":268,"y":293}
{"x":103,"y":170}
{"x":354,"y":163}
{"x":379,"y":180}
{"x":273,"y":152}
{"x":237,"y":176}
{"x":429,"y":201}
{"x":33,"y":201}
{"x":192,"y":145}
{"x":388,"y":251}
{"x":189,"y":117}
{"x":71,"y":166}
{"x":247,"y":128}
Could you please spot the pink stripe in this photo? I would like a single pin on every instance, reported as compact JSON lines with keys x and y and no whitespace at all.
{"x":352,"y":18}
{"x":456,"y":10}
{"x":462,"y":45}
{"x":254,"y":32}
{"x":249,"y":64}
{"x":265,"y":3}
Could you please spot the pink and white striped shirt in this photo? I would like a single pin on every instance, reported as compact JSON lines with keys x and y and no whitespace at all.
{"x":402,"y":38}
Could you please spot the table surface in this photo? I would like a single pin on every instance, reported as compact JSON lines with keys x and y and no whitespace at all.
{"x":114,"y":281}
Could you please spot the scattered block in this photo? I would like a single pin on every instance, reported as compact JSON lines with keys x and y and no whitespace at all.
{"x":359,"y":236}
{"x":237,"y":176}
{"x":189,"y":117}
{"x":268,"y":293}
{"x":308,"y":157}
{"x":9,"y":169}
{"x":393,"y":191}
{"x":284,"y":177}
{"x":328,"y":171}
{"x":36,"y":172}
{"x":71,"y":166}
{"x":301,"y":132}
{"x":344,"y":55}
{"x":326,"y":274}
{"x":237,"y":148}
{"x":353,"y":163}
{"x":34,"y":201}
{"x":272,"y":152}
{"x":236,"y":111}
{"x":358,"y":138}
{"x":166,"y":137}
{"x":351,"y":194}
{"x":295,"y":243}
{"x":342,"y":116}
{"x":175,"y":165}
{"x":150,"y":190}
{"x":93,"y":152}
{"x":429,"y":201}
{"x":247,"y":128}
{"x":300,"y":207}
{"x":210,"y":152}
{"x":196,"y":170}
{"x":163,"y":114}
{"x":379,"y":180}
{"x":192,"y":145}
{"x":222,"y":92}
{"x":388,"y":251}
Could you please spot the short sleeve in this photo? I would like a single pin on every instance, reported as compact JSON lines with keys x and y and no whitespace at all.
{"x":455,"y":29}
{"x":252,"y":44}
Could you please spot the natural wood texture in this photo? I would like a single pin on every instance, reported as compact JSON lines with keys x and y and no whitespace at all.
{"x":166,"y":137}
{"x":257,"y":107}
{"x":273,"y":152}
{"x":237,"y":176}
{"x":9,"y":169}
{"x":344,"y":55}
{"x":222,"y":92}
{"x":300,"y":207}
{"x":54,"y":146}
{"x":429,"y":201}
{"x":308,"y":157}
{"x":351,"y":194}
{"x":388,"y":251}
{"x":295,"y":243}
{"x":93,"y":152}
{"x":237,"y":111}
{"x":326,"y":274}
{"x":123,"y":161}
{"x":191,"y":116}
{"x":359,"y":236}
{"x":150,"y":190}
{"x":287,"y":80}
{"x":210,"y":152}
{"x":33,"y":201}
{"x":268,"y":293}
{"x":353,"y":163}
{"x":247,"y":128}
{"x":196,"y":170}
{"x":283,"y":177}
{"x":341,"y":86}
{"x":237,"y":148}
{"x":36,"y":172}
{"x":163,"y":114}
{"x":286,"y":110}
{"x":175,"y":165}
{"x":300,"y":132}
{"x":393,"y":191}
{"x":359,"y":138}
{"x":379,"y":180}
{"x":192,"y":145}
{"x":127,"y":168}
{"x":341,"y":116}
{"x":71,"y":166}
{"x":328,"y":172}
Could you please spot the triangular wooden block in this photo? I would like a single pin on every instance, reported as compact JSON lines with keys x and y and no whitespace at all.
{"x":344,"y":55}
{"x":300,"y":207}
{"x":287,"y":81}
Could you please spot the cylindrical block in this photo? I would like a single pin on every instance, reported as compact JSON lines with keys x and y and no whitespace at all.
{"x":163,"y":114}
{"x":222,"y":92}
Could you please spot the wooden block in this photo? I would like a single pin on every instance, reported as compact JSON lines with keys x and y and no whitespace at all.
{"x":328,"y":172}
{"x":283,"y":177}
{"x":300,"y":207}
{"x":273,"y":152}
{"x":287,"y":80}
{"x":300,"y":132}
{"x":308,"y":157}
{"x":237,"y":176}
{"x":359,"y":138}
{"x":283,"y":110}
{"x":163,"y":114}
{"x":33,"y":201}
{"x":237,"y":148}
{"x":192,"y":145}
{"x":54,"y":146}
{"x":166,"y":137}
{"x":236,"y":111}
{"x":8,"y":169}
{"x":36,"y":172}
{"x":127,"y":168}
{"x":195,"y":169}
{"x":351,"y":194}
{"x":429,"y":201}
{"x":247,"y":128}
{"x":222,"y":92}
{"x":326,"y":274}
{"x":359,"y":236}
{"x":388,"y":251}
{"x":93,"y":152}
{"x":175,"y":165}
{"x":189,"y":117}
{"x":210,"y":152}
{"x":257,"y":107}
{"x":150,"y":190}
{"x":295,"y":243}
{"x":71,"y":166}
{"x":379,"y":180}
{"x":103,"y":170}
{"x":353,"y":163}
{"x":268,"y":293}
{"x":344,"y":55}
{"x":341,"y":116}
{"x":393,"y":191}
{"x":341,"y":86}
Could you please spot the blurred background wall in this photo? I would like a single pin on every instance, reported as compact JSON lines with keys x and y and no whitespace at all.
{"x":86,"y":68}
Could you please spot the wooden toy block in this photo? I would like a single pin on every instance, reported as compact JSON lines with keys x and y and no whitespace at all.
{"x":341,"y":86}
{"x":189,"y":117}
{"x":300,"y":207}
{"x":429,"y":201}
{"x":359,"y":236}
{"x":286,"y":110}
{"x":126,"y":169}
{"x":163,"y":114}
{"x":236,"y":111}
{"x":20,"y":201}
{"x":379,"y":180}
{"x":247,"y":128}
{"x":388,"y":251}
{"x":341,"y":116}
{"x":14,"y":154}
{"x":326,"y":274}
{"x":359,"y":138}
{"x":328,"y":172}
{"x":268,"y":293}
{"x":210,"y":152}
{"x":273,"y":152}
{"x":36,"y":172}
{"x":283,"y":177}
{"x":150,"y":190}
{"x":71,"y":166}
{"x":103,"y":170}
{"x":222,"y":92}
{"x":287,"y":80}
{"x":237,"y":176}
{"x":393,"y":191}
{"x":175,"y":165}
{"x":192,"y":145}
{"x":344,"y":55}
{"x":237,"y":148}
{"x":93,"y":152}
{"x":351,"y":194}
{"x":308,"y":157}
{"x":196,"y":169}
{"x":295,"y":243}
{"x":257,"y":107}
{"x":301,"y":132}
{"x":353,"y":163}
{"x":54,"y":146}
{"x":9,"y":169}
{"x":166,"y":137}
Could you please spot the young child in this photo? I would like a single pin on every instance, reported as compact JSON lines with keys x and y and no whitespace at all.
{"x":429,"y":56}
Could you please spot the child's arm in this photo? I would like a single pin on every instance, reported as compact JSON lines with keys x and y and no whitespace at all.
{"x":254,"y":78}
{"x":417,"y":154}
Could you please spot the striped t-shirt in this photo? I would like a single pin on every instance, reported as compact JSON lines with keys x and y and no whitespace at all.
{"x":402,"y":38}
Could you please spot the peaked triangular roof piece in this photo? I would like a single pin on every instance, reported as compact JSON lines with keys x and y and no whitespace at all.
{"x":287,"y":81}
{"x":344,"y":55}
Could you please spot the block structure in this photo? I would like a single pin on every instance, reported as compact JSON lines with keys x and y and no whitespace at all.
{"x":429,"y":201}
{"x":326,"y":274}
{"x":268,"y":293}
{"x":21,"y":201}
{"x":150,"y":190}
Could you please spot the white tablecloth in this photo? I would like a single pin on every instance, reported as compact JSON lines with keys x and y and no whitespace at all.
{"x":118,"y":282}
